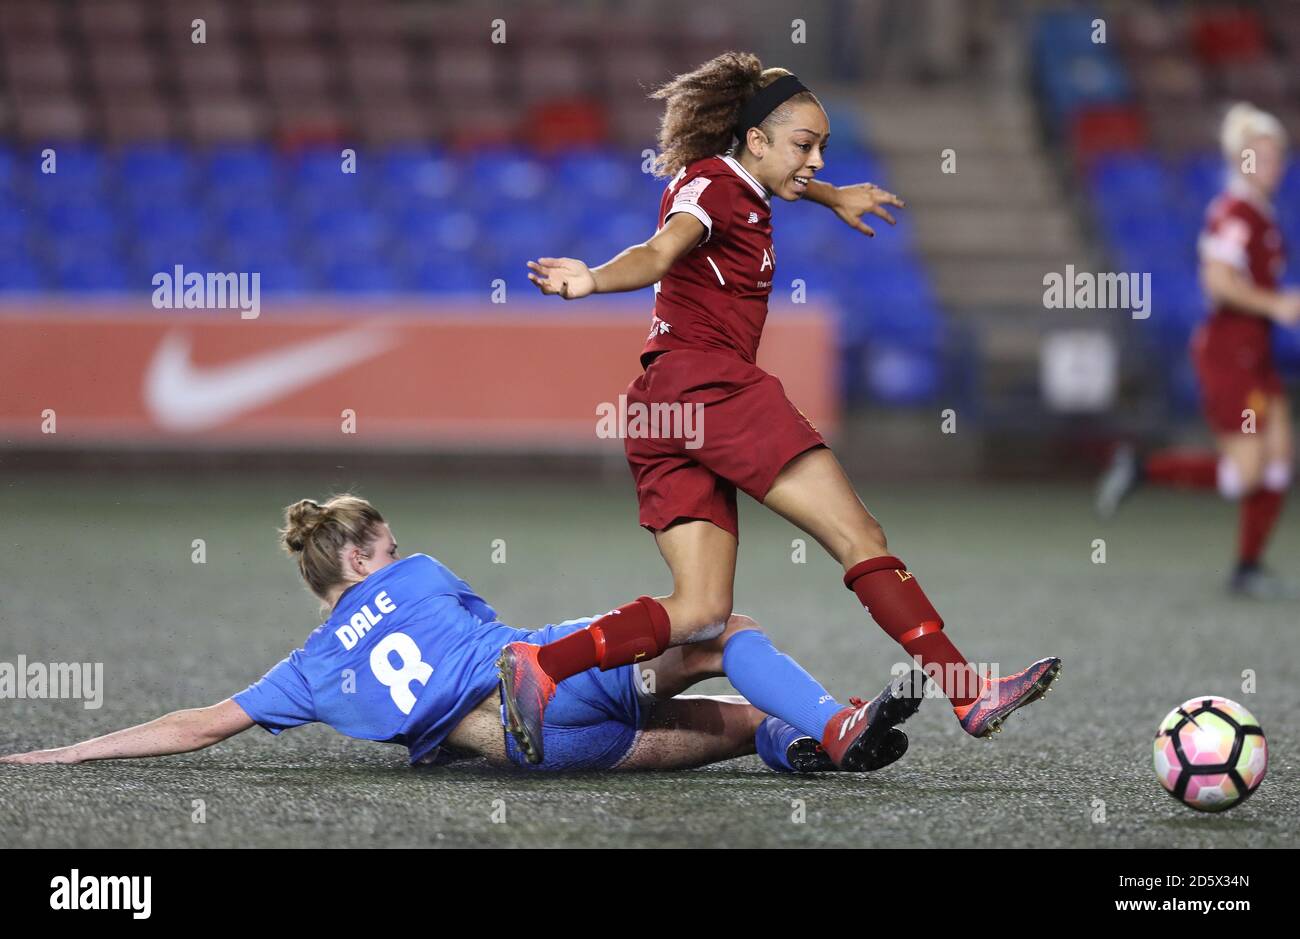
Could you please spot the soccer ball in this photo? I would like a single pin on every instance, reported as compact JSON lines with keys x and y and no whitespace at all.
{"x":1210,"y":753}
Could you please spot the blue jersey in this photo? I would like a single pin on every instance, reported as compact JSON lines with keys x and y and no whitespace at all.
{"x":405,"y":655}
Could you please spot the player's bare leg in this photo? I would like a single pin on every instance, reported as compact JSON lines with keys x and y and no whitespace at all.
{"x":695,"y":730}
{"x":814,"y":493}
{"x":873,"y":743}
{"x":690,"y":731}
{"x":685,"y":666}
{"x":702,"y":559}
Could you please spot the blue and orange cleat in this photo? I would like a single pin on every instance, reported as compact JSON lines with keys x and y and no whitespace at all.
{"x":858,"y":738}
{"x":983,"y":717}
{"x":526,"y":689}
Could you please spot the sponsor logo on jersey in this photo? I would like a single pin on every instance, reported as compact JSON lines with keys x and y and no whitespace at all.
{"x":691,"y":192}
{"x":753,"y":218}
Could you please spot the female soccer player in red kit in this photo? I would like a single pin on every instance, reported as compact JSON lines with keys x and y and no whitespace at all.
{"x":711,"y":264}
{"x":1241,"y":258}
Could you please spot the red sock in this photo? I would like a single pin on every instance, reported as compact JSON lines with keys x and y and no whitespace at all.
{"x":1259,"y":512}
{"x":896,"y":602}
{"x":1197,"y":469}
{"x":636,"y":631}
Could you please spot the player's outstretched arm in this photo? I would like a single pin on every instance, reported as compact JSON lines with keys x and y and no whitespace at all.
{"x":177,"y":732}
{"x":1227,"y":285}
{"x":636,"y":267}
{"x":850,"y":203}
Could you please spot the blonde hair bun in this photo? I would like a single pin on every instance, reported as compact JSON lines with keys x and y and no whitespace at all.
{"x":300,"y":520}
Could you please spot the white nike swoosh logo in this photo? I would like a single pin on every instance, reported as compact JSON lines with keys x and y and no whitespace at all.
{"x":182,"y":397}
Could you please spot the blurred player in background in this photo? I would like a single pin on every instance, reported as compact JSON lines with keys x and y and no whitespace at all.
{"x":712,"y":265}
{"x":408,"y":656}
{"x":1241,"y":259}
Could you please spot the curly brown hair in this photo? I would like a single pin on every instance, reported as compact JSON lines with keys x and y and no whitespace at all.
{"x":703,"y":107}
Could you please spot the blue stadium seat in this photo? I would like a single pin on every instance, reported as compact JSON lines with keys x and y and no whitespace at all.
{"x":155,"y":168}
{"x":510,"y":175}
{"x":93,"y":219}
{"x":597,"y":177}
{"x":241,"y":174}
{"x":456,"y":276}
{"x":361,"y":275}
{"x":20,"y":271}
{"x":87,"y":264}
{"x":900,"y":374}
{"x":80,"y":171}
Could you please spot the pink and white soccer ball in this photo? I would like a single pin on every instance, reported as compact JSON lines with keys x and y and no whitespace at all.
{"x":1210,"y":753}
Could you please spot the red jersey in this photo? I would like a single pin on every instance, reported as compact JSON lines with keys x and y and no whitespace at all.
{"x":1240,"y":230}
{"x":715,"y":295}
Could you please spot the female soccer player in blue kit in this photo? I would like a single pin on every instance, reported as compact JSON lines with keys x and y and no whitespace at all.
{"x":408,"y":656}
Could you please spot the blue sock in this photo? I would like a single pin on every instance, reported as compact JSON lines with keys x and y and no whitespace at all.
{"x":773,"y":739}
{"x":776,"y":684}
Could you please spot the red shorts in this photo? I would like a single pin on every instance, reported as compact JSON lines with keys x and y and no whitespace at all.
{"x":744,"y":432}
{"x":1234,"y":380}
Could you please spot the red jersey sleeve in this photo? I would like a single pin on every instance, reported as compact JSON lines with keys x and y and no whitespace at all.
{"x":708,"y":200}
{"x":1227,"y":235}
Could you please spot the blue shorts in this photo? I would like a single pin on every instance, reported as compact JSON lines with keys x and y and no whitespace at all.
{"x":592,"y":722}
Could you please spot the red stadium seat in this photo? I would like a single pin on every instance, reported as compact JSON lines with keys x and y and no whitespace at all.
{"x":1226,"y":35}
{"x":1106,"y":129}
{"x":557,"y":125}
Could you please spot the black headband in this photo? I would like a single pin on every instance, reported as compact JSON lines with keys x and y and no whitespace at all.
{"x":767,"y":100}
